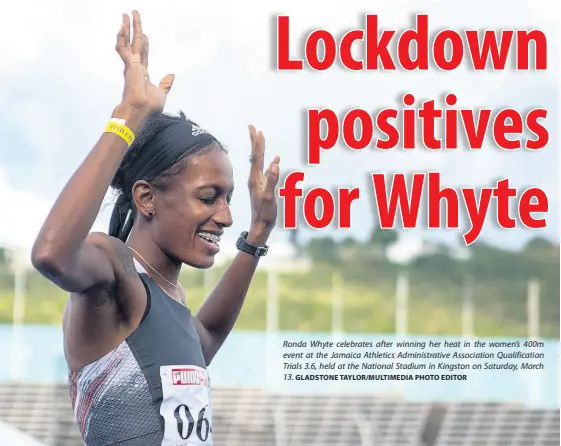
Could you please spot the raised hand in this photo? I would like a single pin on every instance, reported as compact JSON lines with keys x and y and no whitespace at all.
{"x":139,"y":93}
{"x":262,"y":189}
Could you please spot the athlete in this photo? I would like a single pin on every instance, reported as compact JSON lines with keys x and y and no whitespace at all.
{"x":137,"y":357}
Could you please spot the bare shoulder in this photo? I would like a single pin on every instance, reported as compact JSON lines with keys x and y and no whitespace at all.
{"x":127,"y":294}
{"x":99,"y":319}
{"x":119,"y":254}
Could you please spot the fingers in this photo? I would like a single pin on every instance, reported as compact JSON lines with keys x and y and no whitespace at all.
{"x":256,"y":177}
{"x":123,"y":38}
{"x":272,"y":178}
{"x":144,"y":51}
{"x":257,"y":156}
{"x":137,"y":40}
{"x":166,"y":83}
{"x":140,"y":44}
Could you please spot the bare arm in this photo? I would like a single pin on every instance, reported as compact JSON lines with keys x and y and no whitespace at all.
{"x":221,"y":309}
{"x":219,"y":313}
{"x":63,"y":250}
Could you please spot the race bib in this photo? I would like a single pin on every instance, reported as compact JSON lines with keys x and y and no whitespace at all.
{"x":186,"y":406}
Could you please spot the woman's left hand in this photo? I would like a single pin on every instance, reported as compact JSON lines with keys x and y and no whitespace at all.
{"x":262,"y":191}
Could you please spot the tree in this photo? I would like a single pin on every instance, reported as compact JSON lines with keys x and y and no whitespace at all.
{"x":383,"y":238}
{"x":322,"y":249}
{"x":349,"y":241}
{"x":538,"y":243}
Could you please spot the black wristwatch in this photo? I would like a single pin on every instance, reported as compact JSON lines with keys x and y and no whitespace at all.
{"x":255,"y":251}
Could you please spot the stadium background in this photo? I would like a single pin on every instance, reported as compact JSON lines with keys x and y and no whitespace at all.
{"x":294,"y":301}
{"x":359,"y":284}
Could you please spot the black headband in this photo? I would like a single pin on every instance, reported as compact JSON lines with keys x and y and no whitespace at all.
{"x":163,"y":149}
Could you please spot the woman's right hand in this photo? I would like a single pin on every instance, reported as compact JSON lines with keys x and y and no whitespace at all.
{"x":139,"y":93}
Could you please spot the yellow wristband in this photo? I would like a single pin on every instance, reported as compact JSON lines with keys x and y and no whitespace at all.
{"x":121,"y":130}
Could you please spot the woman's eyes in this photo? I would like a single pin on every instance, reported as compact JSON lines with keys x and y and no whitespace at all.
{"x":211,"y":200}
{"x":208,"y":200}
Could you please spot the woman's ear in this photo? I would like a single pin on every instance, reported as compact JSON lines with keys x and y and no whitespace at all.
{"x":143,"y":198}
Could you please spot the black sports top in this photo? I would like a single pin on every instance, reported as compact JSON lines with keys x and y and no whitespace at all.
{"x":153,"y":389}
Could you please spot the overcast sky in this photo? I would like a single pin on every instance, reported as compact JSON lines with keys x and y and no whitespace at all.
{"x":61,"y":77}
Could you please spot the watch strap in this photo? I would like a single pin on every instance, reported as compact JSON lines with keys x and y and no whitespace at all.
{"x":255,"y":251}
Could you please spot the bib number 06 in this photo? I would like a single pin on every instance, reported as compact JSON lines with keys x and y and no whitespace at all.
{"x":186,"y":423}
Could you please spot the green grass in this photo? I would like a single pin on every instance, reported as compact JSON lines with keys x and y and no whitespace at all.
{"x":305,"y":305}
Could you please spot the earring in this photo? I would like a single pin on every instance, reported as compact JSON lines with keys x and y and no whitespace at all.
{"x":150,"y":213}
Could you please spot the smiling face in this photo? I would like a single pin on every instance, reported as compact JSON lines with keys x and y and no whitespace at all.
{"x":191,"y":214}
